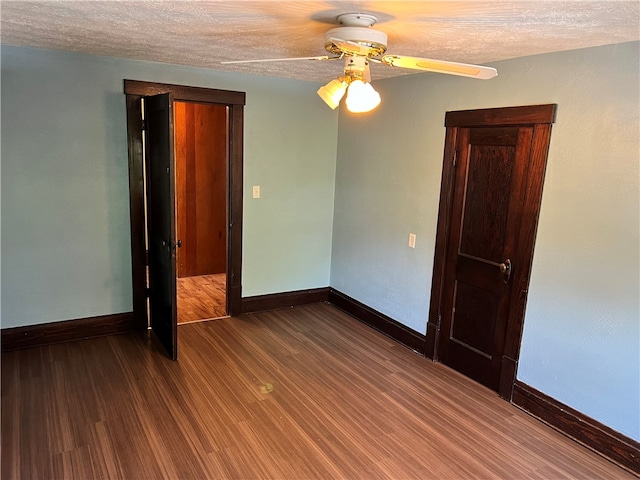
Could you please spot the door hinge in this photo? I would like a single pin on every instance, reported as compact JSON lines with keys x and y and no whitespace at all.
{"x":143,"y":124}
{"x":147,"y":292}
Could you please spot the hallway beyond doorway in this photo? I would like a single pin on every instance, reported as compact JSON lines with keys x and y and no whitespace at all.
{"x":201,"y":297}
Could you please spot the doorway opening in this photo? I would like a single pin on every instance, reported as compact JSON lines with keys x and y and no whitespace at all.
{"x":216,"y":246}
{"x":201,"y":150}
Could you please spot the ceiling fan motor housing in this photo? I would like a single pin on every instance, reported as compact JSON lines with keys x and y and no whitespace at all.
{"x":356,"y":32}
{"x":374,"y":42}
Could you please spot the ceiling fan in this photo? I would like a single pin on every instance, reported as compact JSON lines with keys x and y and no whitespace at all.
{"x":359,"y":45}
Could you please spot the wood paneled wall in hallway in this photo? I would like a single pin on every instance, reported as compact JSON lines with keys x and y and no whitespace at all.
{"x":201,"y":188}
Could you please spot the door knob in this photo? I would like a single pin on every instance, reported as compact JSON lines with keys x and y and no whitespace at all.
{"x":179,"y":244}
{"x":505,"y":269}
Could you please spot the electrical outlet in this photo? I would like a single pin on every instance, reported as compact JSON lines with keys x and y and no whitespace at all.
{"x":256,"y":191}
{"x":412,"y":240}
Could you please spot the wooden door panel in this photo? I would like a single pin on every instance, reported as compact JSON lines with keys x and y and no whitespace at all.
{"x":486,"y":202}
{"x":473,"y":319}
{"x":161,"y":221}
{"x":465,"y":360}
{"x":498,"y":136}
{"x":489,"y":190}
{"x":476,"y":271}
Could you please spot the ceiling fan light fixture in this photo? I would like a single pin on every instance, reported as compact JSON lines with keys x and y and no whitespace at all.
{"x":333,"y":92}
{"x":361,"y":97}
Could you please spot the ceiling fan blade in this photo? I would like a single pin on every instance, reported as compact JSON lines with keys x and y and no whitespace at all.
{"x":322,"y":57}
{"x":440,"y":66}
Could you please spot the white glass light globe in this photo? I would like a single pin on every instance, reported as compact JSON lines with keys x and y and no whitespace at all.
{"x":361,"y":97}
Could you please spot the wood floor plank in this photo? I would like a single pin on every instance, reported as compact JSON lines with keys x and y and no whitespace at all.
{"x":201,"y":297}
{"x":299,"y":393}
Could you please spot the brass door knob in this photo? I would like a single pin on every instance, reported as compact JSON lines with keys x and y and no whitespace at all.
{"x":505,"y":269}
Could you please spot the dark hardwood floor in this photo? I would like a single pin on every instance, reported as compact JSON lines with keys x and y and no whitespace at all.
{"x":201,"y":297}
{"x":306,"y":392}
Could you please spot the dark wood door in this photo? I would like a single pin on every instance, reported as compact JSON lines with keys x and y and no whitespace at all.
{"x":496,"y":169}
{"x":161,"y":220}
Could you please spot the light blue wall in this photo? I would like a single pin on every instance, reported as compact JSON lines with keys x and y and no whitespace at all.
{"x":65,"y":197}
{"x":582,"y":334}
{"x":65,"y":213}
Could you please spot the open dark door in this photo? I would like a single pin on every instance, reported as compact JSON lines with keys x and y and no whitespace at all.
{"x":492,"y":185}
{"x":161,"y":220}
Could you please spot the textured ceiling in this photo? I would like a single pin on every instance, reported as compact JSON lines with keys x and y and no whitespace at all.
{"x":204,"y":33}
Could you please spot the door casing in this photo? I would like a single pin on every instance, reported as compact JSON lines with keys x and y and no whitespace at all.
{"x":235,"y":101}
{"x":540,"y":117}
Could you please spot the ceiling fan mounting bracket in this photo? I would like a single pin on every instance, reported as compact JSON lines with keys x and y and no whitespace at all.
{"x":357,"y":19}
{"x":355,"y":37}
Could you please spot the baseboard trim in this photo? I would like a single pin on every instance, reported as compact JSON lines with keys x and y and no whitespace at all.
{"x":273,"y":301}
{"x":613,"y":445}
{"x":379,"y":321}
{"x":66,"y":331}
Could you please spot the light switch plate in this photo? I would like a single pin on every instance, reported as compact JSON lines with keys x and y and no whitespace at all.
{"x":412,"y":240}
{"x":256,"y":191}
